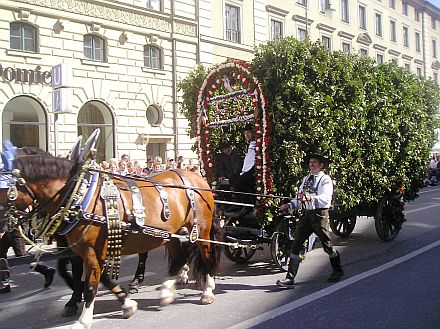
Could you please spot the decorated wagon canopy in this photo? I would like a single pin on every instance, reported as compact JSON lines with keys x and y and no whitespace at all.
{"x":230,"y":97}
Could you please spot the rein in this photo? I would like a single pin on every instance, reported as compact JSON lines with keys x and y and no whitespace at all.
{"x":190,"y":187}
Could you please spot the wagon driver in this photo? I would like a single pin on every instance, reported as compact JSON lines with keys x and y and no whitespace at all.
{"x":314,"y":198}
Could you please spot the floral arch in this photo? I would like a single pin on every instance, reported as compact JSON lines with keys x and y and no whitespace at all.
{"x":230,"y":95}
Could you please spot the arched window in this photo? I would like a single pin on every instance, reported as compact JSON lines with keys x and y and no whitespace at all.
{"x":94,"y":115}
{"x":24,"y":122}
{"x":152,"y":57}
{"x":23,"y":37}
{"x":94,"y":48}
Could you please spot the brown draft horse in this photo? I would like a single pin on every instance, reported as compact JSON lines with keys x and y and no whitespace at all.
{"x":46,"y":178}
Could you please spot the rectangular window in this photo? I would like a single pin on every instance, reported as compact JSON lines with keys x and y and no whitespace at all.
{"x":435,"y":77}
{"x":417,"y":40}
{"x":362,"y":17}
{"x":405,"y":8}
{"x":392,"y":4}
{"x":276,"y":29}
{"x":344,"y":11}
{"x":433,"y":23}
{"x":232,"y":15}
{"x":393,"y":31}
{"x":153,"y":5}
{"x":94,"y":48}
{"x":378,"y":24}
{"x":394,"y":60}
{"x":152,"y":57}
{"x":363,"y":52}
{"x":417,"y":14}
{"x":327,"y":42}
{"x":379,"y":58}
{"x":302,"y":33}
{"x":23,"y":37}
{"x":346,"y":47}
{"x":324,"y":5}
{"x":405,"y":36}
{"x":419,"y":71}
{"x":408,"y":66}
{"x":302,"y":2}
{"x":434,"y":48}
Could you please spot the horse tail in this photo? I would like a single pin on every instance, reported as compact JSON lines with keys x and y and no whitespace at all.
{"x":202,"y":266}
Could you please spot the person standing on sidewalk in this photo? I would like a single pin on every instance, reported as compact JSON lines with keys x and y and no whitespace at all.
{"x":313,"y":199}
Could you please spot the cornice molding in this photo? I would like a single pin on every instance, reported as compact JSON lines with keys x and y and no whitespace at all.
{"x":379,"y":47}
{"x":394,"y":52}
{"x":325,"y":28}
{"x":120,"y":14}
{"x":302,"y":19}
{"x":276,"y":11}
{"x":364,"y":38}
{"x":346,"y":35}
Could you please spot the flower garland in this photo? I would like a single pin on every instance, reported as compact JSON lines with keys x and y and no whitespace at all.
{"x":239,"y":70}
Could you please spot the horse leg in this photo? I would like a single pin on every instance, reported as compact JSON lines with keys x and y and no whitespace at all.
{"x":129,"y":306}
{"x":92,"y":270}
{"x":182,"y":276}
{"x":139,"y":275}
{"x":71,"y":307}
{"x":178,"y":255}
{"x":208,"y":291}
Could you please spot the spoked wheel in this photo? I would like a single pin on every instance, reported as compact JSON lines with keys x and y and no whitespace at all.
{"x":239,"y":255}
{"x":388,"y":219}
{"x":281,"y":244}
{"x":234,"y":232}
{"x":280,"y":249}
{"x":342,"y":225}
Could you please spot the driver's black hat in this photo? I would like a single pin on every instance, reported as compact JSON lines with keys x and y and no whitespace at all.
{"x":248,"y":126}
{"x":322,"y":159}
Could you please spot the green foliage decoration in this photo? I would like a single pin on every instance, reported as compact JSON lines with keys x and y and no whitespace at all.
{"x":374,"y":122}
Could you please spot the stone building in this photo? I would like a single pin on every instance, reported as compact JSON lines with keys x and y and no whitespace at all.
{"x":70,"y":66}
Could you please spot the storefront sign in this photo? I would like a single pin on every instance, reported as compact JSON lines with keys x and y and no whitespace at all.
{"x":61,"y":76}
{"x":20,"y":75}
{"x":61,"y":100}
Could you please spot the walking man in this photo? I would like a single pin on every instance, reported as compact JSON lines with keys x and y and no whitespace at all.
{"x":313,"y":199}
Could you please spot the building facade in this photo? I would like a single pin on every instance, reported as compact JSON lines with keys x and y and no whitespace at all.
{"x":70,"y":66}
{"x":120,"y":64}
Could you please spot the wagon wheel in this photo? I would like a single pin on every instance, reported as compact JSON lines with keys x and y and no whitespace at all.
{"x":388,"y":218}
{"x":342,"y":225}
{"x":280,"y":245}
{"x":241,"y":254}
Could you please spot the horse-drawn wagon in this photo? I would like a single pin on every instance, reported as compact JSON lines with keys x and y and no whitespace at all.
{"x":231,"y":95}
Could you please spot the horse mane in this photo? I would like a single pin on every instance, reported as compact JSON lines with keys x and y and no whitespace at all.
{"x":44,"y":166}
{"x":30,"y":150}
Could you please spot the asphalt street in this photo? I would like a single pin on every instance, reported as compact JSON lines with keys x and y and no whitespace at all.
{"x":387,"y":285}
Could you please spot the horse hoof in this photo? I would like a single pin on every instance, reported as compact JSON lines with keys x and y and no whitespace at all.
{"x":133,"y":290}
{"x":164,"y":301}
{"x":207,"y":299}
{"x":80,"y":325}
{"x":69,"y":310}
{"x":129,"y":308}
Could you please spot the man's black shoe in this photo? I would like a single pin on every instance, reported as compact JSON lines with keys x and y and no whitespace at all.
{"x":286,"y":283}
{"x":336,"y":276}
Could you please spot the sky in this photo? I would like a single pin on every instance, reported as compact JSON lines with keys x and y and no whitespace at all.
{"x":435,"y":2}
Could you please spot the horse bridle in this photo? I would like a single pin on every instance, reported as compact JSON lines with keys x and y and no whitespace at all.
{"x":12,"y":215}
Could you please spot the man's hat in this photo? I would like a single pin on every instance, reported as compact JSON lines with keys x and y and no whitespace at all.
{"x":322,"y":159}
{"x":248,"y":126}
{"x":223,"y":144}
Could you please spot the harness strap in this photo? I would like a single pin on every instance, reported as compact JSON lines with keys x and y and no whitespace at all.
{"x":138,"y":205}
{"x":110,"y":194}
{"x":194,"y":235}
{"x":166,"y":212}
